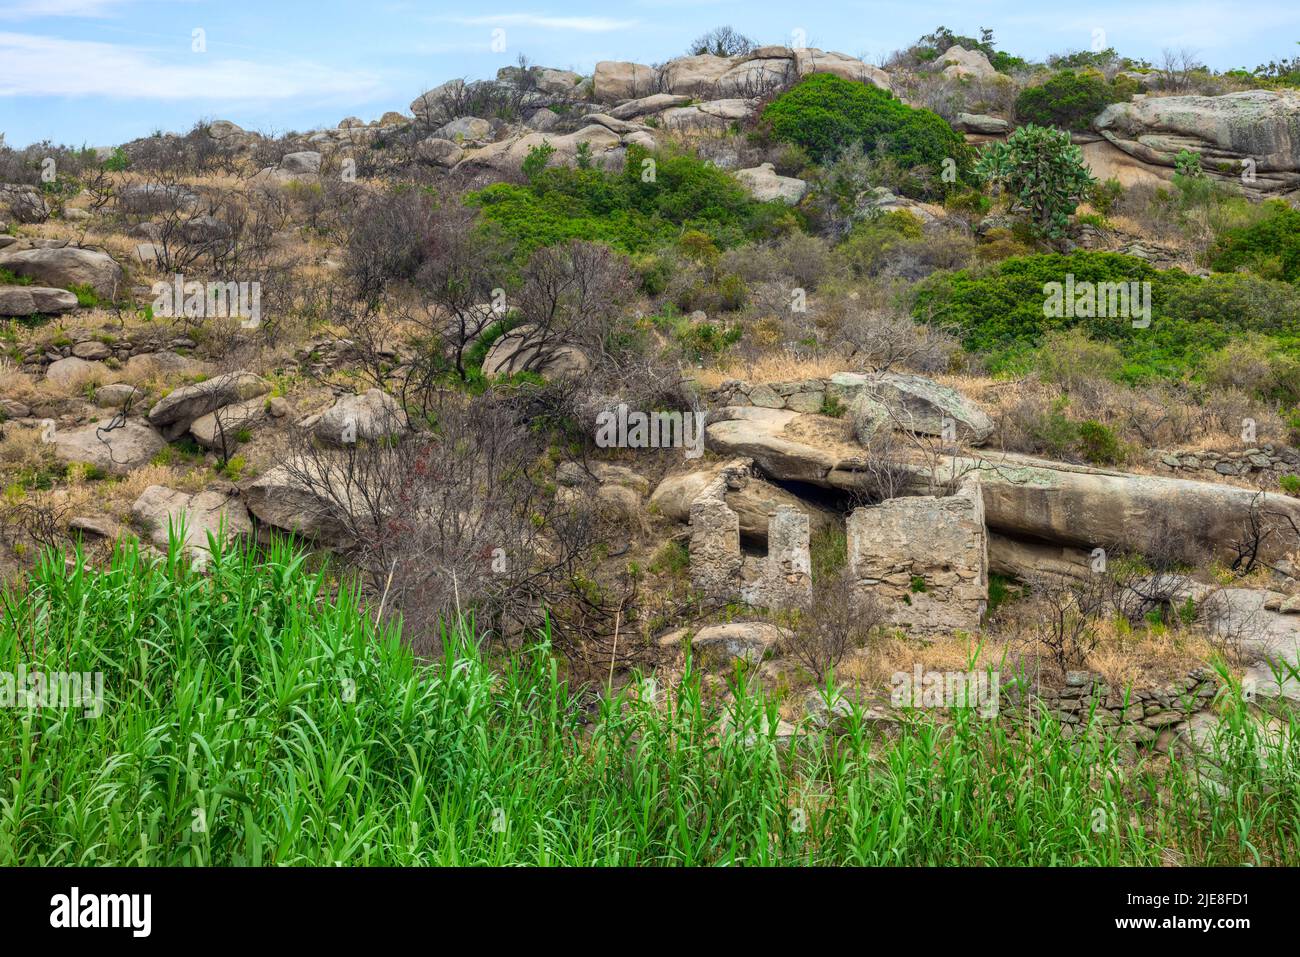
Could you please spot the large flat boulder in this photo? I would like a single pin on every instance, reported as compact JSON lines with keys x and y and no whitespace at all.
{"x":367,"y":417}
{"x":616,"y":80}
{"x":787,"y":446}
{"x":1262,"y":126}
{"x":712,"y":114}
{"x":809,"y":60}
{"x":644,"y":106}
{"x":519,"y":351}
{"x":116,"y":450}
{"x":510,"y":153}
{"x":35,"y":300}
{"x":163,"y":511}
{"x":695,"y":76}
{"x":71,"y":373}
{"x":223,"y":425}
{"x":1024,"y":497}
{"x":313,"y":498}
{"x":958,"y":63}
{"x":918,"y":404}
{"x":190,"y":402}
{"x":66,"y":267}
{"x":764,"y":184}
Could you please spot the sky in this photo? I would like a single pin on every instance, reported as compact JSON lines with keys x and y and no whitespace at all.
{"x":102,"y":72}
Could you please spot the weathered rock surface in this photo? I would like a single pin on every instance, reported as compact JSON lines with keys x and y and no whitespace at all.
{"x":223,"y":426}
{"x":712,"y":114}
{"x":67,"y":266}
{"x":982,"y":123}
{"x":655,"y":103}
{"x":439,"y":152}
{"x":190,"y":402}
{"x":1024,"y":497}
{"x":924,"y":558}
{"x":367,"y":417}
{"x":71,"y":373}
{"x":511,"y":152}
{"x":116,"y":450}
{"x":312,"y":498}
{"x":518,"y":351}
{"x":752,"y":498}
{"x":917,"y":404}
{"x":959,"y":63}
{"x":765,"y":185}
{"x":1262,"y":126}
{"x":162,"y":512}
{"x":746,"y":640}
{"x":616,"y":80}
{"x":35,"y":300}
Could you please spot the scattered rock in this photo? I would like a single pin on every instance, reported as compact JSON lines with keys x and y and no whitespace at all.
{"x":367,"y":417}
{"x":35,"y":300}
{"x":765,"y":185}
{"x":67,"y":266}
{"x":114,"y":447}
{"x":163,"y":512}
{"x":188,"y":403}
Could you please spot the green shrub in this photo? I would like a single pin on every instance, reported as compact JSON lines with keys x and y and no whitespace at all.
{"x":999,"y":311}
{"x":8,"y":278}
{"x":873,"y":240}
{"x":628,"y":212}
{"x":1269,"y":247}
{"x":825,"y":113}
{"x":1044,"y":173}
{"x":1290,"y":484}
{"x":1068,"y":101}
{"x":1105,"y":195}
{"x":1099,"y":445}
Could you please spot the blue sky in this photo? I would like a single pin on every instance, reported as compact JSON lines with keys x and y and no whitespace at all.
{"x":100,"y":72}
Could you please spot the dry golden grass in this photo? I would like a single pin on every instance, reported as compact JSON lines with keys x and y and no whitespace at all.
{"x":772,"y":367}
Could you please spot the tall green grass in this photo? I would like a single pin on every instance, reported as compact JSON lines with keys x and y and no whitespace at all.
{"x":252,"y":716}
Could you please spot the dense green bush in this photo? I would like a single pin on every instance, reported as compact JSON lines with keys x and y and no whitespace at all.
{"x":625,"y":210}
{"x":1068,"y":100}
{"x":1269,"y":247}
{"x":1000,"y":311}
{"x":825,"y":113}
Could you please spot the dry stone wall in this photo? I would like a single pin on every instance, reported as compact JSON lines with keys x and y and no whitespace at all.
{"x":924,"y":558}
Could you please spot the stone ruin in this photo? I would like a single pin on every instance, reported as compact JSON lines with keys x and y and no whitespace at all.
{"x":924,"y":558}
{"x":780,"y":579}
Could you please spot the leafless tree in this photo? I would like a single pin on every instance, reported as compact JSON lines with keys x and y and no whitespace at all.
{"x":454,"y":520}
{"x":571,"y":295}
{"x":836,"y":620}
{"x":721,"y":41}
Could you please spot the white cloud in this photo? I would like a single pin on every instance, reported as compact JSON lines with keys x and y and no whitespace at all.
{"x":30,"y":9}
{"x":579,"y":24}
{"x":48,"y":66}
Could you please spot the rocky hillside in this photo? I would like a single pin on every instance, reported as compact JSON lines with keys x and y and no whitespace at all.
{"x":800,"y":365}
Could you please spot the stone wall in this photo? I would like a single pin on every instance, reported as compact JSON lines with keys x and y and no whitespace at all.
{"x":1264,"y":459}
{"x":805,"y":395}
{"x":1150,"y":717}
{"x":780,"y":579}
{"x":924,"y":558}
